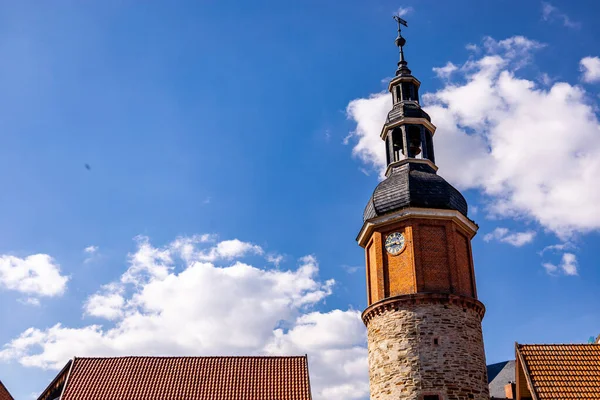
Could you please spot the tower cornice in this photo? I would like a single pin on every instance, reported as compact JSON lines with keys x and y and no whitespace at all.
{"x":405,"y":121}
{"x":398,"y":79}
{"x":391,"y":303}
{"x":390,"y":168}
{"x":369,"y":226}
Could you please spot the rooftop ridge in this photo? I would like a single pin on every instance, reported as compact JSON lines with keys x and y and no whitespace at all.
{"x":123,"y":357}
{"x":560,"y":344}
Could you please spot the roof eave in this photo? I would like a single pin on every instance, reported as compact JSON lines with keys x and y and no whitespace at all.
{"x":526,"y":371}
{"x":414,"y":212}
{"x":66,"y":369}
{"x":405,"y":121}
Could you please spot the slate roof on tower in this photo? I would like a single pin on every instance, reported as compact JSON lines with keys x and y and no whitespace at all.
{"x":414,"y":185}
{"x":411,"y":175}
{"x":191,"y":378}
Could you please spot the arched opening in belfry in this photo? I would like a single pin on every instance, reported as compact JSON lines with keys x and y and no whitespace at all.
{"x":413,"y":135}
{"x":405,"y":91}
{"x":409,"y":91}
{"x":397,"y":94}
{"x":409,"y":141}
{"x":398,"y":145}
{"x":429,"y":146}
{"x":395,"y":146}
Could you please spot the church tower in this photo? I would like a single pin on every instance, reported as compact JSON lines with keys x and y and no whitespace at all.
{"x":423,"y":318}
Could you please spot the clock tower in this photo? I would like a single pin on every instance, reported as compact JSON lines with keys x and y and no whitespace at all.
{"x":423,"y":317}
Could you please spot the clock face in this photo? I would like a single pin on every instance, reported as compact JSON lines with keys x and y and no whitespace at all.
{"x":394,"y":244}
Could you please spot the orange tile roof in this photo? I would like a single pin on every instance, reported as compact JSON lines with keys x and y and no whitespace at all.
{"x":562,"y":371}
{"x":4,"y":394}
{"x":197,"y":378}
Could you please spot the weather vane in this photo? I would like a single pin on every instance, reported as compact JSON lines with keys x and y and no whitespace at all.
{"x":400,"y":41}
{"x":400,"y":21}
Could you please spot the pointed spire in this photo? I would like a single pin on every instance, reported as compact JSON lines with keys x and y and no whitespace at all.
{"x":400,"y":42}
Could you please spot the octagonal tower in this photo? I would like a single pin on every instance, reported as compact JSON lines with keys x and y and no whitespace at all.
{"x":423,"y":317}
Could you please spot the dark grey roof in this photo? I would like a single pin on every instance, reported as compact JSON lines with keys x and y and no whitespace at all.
{"x":414,"y":185}
{"x":499,"y":375}
{"x":406,"y":109}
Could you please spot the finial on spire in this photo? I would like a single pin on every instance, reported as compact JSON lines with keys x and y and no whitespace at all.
{"x":400,"y":42}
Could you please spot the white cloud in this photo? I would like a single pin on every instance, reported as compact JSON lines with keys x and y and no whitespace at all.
{"x":550,"y":268}
{"x":334,"y":338}
{"x":91,"y":249}
{"x":274,"y":259}
{"x":445,"y":71}
{"x":516,"y":239}
{"x":472,"y":47}
{"x":37,"y":275}
{"x":369,"y":115}
{"x":230,"y":249}
{"x":91,"y":253}
{"x":590,"y":66}
{"x":402,"y":11}
{"x":351,"y":269}
{"x":30,"y":301}
{"x":546,"y":79}
{"x":568,"y":265}
{"x":224,"y":250}
{"x":108,"y":303}
{"x":551,"y":13}
{"x":171,"y":302}
{"x":557,"y":247}
{"x":533,"y":152}
{"x":517,"y":49}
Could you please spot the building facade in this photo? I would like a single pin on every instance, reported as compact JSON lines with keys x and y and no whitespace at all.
{"x":423,"y":317}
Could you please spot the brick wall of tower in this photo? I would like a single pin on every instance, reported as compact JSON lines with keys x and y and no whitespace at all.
{"x":405,"y":362}
{"x":437,"y":258}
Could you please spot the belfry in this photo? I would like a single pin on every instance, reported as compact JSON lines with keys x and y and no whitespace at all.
{"x":423,"y":317}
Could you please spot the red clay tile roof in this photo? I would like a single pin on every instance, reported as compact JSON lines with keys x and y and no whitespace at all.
{"x":4,"y":394}
{"x":190,"y":378}
{"x":563,"y":371}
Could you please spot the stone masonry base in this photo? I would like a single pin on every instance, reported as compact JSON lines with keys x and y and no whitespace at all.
{"x":419,"y":348}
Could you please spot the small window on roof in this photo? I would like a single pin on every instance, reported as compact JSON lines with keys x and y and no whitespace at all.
{"x":431,"y":397}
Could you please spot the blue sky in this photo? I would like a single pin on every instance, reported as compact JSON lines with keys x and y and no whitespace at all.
{"x":251,"y":123}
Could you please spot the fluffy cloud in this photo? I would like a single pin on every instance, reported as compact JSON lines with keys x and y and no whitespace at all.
{"x":533,"y":152}
{"x":91,"y":253}
{"x":230,"y":249}
{"x":551,"y":13}
{"x":590,"y":67}
{"x":557,"y":247}
{"x":504,"y":235}
{"x":90,"y":249}
{"x":30,"y":301}
{"x":37,"y":274}
{"x":171,"y":301}
{"x":445,"y":71}
{"x":568,"y":265}
{"x":332,"y":339}
{"x":402,"y":11}
{"x":275,"y":259}
{"x":108,"y":303}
